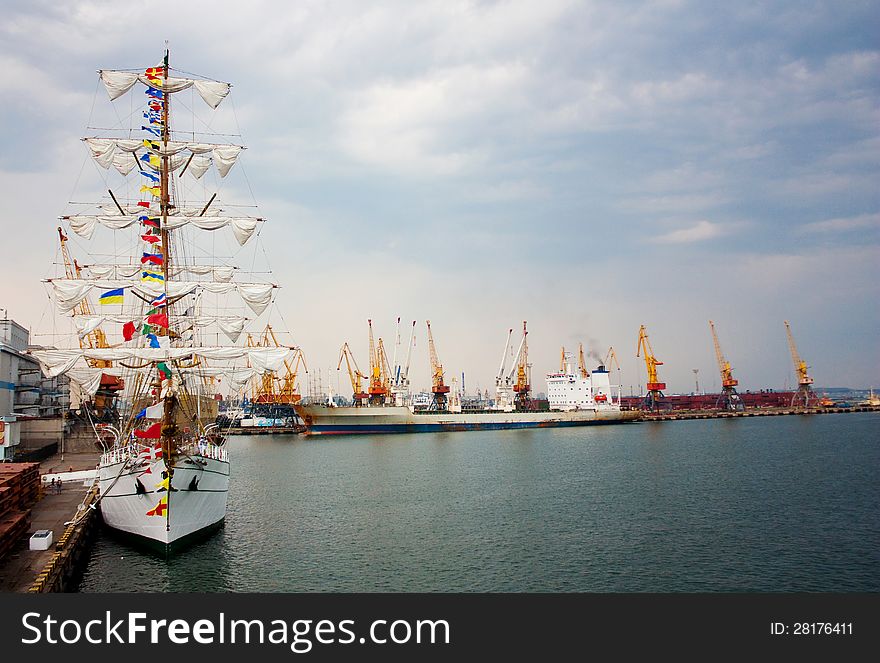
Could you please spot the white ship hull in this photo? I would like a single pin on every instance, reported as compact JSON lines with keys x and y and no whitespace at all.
{"x":325,"y":420}
{"x":195,"y":505}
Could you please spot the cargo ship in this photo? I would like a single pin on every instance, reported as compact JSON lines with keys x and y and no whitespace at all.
{"x":576,"y":397}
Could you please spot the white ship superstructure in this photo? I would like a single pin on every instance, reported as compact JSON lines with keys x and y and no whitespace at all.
{"x":579,"y":389}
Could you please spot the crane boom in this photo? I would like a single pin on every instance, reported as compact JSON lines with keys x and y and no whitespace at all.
{"x":800,"y":366}
{"x":727,"y":379}
{"x":582,"y":363}
{"x":384,"y":369}
{"x":654,"y":386}
{"x":609,"y":356}
{"x":651,"y":362}
{"x":516,"y":359}
{"x":395,"y":377}
{"x":376,"y":389}
{"x":354,"y":375}
{"x":804,"y":394}
{"x":728,"y":398}
{"x":438,"y":387}
{"x":522,"y":388}
{"x":412,"y":342}
{"x":500,"y":377}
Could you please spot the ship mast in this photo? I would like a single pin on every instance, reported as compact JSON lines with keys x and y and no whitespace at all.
{"x":169,"y":428}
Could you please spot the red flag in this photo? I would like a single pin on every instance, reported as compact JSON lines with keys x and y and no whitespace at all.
{"x":154,"y":432}
{"x":158,"y":319}
{"x":143,"y":203}
{"x":128,"y":330}
{"x":152,"y":239}
{"x":159,"y":509}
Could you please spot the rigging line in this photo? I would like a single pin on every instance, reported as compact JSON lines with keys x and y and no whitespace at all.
{"x":197,"y":76}
{"x":94,"y":99}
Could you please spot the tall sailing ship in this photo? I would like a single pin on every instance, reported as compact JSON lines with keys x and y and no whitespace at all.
{"x":163,"y":340}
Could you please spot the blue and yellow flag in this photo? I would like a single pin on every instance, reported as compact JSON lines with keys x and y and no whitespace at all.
{"x":112,"y":296}
{"x":152,"y":276}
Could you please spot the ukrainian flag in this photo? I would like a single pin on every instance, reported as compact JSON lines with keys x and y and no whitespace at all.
{"x":152,"y":276}
{"x":112,"y":296}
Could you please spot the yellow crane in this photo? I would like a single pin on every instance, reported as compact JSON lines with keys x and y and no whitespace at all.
{"x":522,"y":387}
{"x":562,"y":361}
{"x":359,"y":397}
{"x":654,"y":386}
{"x":384,"y":370}
{"x":805,"y":395}
{"x":438,"y":388}
{"x":582,"y":362}
{"x":272,"y":389}
{"x":728,"y":399}
{"x":377,"y":389}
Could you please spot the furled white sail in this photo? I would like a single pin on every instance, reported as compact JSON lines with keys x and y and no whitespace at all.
{"x":105,"y":150}
{"x":70,"y":292}
{"x":220,"y":274}
{"x":263,"y":360}
{"x":120,"y":82}
{"x":243,"y":227}
{"x":230,"y":325}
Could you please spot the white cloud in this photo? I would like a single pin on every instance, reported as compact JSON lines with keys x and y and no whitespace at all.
{"x":700,"y":232}
{"x":844,"y":224}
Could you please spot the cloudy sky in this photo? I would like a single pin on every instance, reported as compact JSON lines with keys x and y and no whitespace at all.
{"x":585,"y":166}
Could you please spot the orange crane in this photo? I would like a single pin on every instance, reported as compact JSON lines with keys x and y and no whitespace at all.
{"x":378,"y":388}
{"x":355,"y":376}
{"x":654,"y":386}
{"x":728,"y":399}
{"x":438,"y":388}
{"x":562,"y":361}
{"x":805,"y":395}
{"x":522,"y":388}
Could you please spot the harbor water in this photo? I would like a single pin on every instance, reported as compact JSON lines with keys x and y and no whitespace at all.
{"x":770,"y":504}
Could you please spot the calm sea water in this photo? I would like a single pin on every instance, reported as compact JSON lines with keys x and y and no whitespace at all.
{"x":772,"y":504}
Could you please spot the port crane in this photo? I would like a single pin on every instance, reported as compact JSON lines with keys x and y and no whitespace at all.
{"x":438,"y":388}
{"x":728,"y":399}
{"x":805,"y":395}
{"x":503,"y":387}
{"x":609,"y":357}
{"x":272,"y":389}
{"x":582,"y":362}
{"x":359,"y":396}
{"x":654,"y":386}
{"x":400,"y":377}
{"x":378,"y":388}
{"x":522,"y":387}
{"x":384,"y":370}
{"x":104,"y":398}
